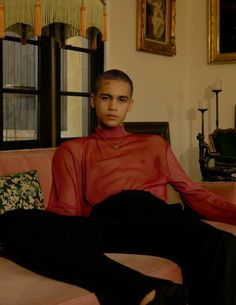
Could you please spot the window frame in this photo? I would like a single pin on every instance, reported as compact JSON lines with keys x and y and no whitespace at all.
{"x":49,"y":117}
{"x":24,"y":143}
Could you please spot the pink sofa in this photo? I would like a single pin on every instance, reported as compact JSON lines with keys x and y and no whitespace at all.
{"x":19,"y":286}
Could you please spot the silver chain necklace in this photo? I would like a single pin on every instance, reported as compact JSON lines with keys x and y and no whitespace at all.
{"x":115,"y":146}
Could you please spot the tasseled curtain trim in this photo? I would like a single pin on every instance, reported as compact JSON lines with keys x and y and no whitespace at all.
{"x":104,"y":32}
{"x":2,"y":25}
{"x":38,"y":19}
{"x":30,"y":18}
{"x":83,"y":20}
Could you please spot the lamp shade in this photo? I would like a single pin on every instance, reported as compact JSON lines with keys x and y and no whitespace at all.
{"x":30,"y":18}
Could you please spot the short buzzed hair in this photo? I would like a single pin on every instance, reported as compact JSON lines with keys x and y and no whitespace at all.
{"x":113,"y":74}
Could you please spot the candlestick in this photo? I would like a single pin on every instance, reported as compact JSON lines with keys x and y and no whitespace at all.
{"x":202,"y":110}
{"x":217,"y":84}
{"x":217,"y":91}
{"x":202,"y":104}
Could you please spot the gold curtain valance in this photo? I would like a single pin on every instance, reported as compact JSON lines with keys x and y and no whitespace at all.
{"x":30,"y":18}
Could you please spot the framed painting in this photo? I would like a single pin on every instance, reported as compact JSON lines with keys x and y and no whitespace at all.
{"x":221,"y":31}
{"x":156,"y":26}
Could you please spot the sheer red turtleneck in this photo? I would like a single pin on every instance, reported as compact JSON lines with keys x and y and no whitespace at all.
{"x":89,"y":169}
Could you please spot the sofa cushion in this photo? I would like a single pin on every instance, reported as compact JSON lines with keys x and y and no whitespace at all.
{"x":20,"y":191}
{"x":23,"y":160}
{"x":24,"y":287}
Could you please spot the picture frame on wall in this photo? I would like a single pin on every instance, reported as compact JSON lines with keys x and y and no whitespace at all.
{"x":221,"y":31}
{"x":156,"y":26}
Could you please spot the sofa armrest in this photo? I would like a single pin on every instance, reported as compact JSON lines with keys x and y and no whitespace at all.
{"x":224,"y":189}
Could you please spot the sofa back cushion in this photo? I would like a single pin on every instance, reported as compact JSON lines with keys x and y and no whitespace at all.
{"x":41,"y":160}
{"x":16,"y":161}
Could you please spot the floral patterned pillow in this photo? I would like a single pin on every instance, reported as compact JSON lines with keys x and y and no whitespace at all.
{"x":20,"y":191}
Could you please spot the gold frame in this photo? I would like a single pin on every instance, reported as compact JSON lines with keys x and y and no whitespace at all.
{"x":161,"y":39}
{"x":214,"y":35}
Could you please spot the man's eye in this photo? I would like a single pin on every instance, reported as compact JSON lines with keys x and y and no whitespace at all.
{"x":105,"y":98}
{"x":123,"y":100}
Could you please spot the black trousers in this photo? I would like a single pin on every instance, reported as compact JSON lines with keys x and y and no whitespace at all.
{"x":71,"y":248}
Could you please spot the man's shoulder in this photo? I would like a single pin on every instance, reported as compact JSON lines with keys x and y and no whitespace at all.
{"x":152,"y":138}
{"x":76,"y":144}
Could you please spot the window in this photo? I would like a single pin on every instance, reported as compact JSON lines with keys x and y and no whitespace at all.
{"x":20,"y":94}
{"x":74,"y":86}
{"x":44,"y":90}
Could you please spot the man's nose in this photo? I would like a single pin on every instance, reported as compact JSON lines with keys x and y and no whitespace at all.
{"x":113,"y":104}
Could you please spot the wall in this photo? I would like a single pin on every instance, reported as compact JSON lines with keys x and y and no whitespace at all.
{"x":169,"y":88}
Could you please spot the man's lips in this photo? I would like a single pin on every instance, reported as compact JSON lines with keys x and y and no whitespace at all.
{"x":111,"y":116}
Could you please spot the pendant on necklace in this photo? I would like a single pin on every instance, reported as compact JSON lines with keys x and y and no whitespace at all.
{"x":114,"y":146}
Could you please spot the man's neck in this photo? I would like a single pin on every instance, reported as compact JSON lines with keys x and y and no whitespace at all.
{"x":111,"y":132}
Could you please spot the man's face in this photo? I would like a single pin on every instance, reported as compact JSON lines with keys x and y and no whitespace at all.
{"x":112,"y":102}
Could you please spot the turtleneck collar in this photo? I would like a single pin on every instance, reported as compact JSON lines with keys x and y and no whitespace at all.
{"x":115,"y":132}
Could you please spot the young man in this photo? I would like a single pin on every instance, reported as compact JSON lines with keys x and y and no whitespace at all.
{"x":109,"y":190}
{"x":90,"y":169}
{"x":121,"y":178}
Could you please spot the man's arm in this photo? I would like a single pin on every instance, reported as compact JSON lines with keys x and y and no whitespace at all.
{"x":66,"y":194}
{"x":207,"y":204}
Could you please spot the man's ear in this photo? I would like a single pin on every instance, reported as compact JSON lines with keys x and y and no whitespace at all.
{"x":130,"y":105}
{"x":92,"y":104}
